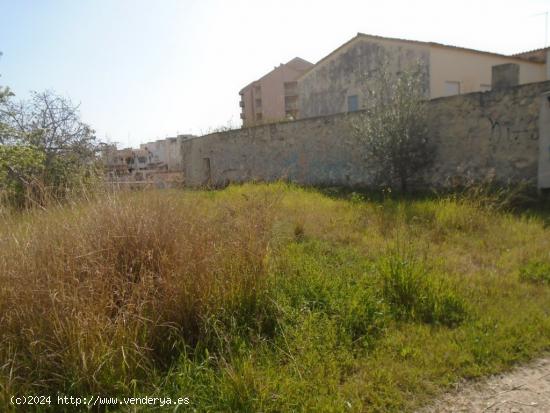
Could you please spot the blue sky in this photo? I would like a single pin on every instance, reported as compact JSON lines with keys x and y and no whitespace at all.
{"x":143,"y":70}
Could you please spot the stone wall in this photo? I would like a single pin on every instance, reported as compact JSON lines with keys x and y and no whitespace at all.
{"x":491,"y":135}
{"x":479,"y":135}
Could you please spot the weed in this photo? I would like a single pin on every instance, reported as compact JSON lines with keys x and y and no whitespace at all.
{"x":415,"y":294}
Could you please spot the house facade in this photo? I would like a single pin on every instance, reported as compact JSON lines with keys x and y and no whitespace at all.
{"x":273,"y":97}
{"x":166,"y":153}
{"x":336,"y":83}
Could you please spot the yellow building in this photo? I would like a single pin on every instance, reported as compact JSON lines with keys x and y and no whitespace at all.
{"x":337,"y":82}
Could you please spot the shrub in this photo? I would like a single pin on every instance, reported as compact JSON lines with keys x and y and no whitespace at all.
{"x":414,"y":294}
{"x":536,"y":272}
{"x":19,"y":167}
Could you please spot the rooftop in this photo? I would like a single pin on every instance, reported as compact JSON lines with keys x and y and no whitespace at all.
{"x":517,"y":57}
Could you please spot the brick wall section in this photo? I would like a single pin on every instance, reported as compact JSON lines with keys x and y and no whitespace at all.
{"x":478,"y":135}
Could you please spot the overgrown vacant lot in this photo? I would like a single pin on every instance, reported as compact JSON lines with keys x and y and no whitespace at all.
{"x":268,"y":298}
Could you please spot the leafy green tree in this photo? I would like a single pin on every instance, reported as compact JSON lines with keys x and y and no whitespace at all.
{"x":20,"y":167}
{"x":394,"y":126}
{"x":50,"y":125}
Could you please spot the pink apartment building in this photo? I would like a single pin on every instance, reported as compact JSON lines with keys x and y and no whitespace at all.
{"x":274,"y":96}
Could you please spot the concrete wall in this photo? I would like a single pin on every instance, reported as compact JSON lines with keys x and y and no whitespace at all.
{"x":480,"y":135}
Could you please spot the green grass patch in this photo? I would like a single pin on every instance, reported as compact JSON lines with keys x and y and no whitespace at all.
{"x":536,"y":272}
{"x":414,"y":293}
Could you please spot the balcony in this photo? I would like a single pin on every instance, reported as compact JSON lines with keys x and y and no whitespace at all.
{"x":241,"y":103}
{"x":243,"y":116}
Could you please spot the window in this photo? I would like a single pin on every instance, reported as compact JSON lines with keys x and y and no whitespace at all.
{"x":290,"y":88}
{"x":484,"y":87}
{"x":452,"y":88}
{"x":353,"y":103}
{"x":258,"y":116}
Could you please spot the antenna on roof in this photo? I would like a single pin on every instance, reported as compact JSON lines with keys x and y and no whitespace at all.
{"x":545,"y":26}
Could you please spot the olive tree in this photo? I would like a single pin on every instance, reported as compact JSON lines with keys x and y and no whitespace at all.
{"x":394,"y":126}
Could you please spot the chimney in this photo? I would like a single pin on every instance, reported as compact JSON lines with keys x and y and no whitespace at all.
{"x":505,"y":75}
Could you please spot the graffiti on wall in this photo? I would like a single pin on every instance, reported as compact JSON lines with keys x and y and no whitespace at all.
{"x":505,"y":131}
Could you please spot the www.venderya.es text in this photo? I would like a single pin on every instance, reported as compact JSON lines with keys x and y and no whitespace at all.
{"x":98,"y":401}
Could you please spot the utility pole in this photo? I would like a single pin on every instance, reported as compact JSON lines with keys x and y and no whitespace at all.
{"x":545,"y":14}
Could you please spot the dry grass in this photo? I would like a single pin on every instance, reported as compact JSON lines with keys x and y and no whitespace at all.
{"x":93,"y":297}
{"x":269,"y":297}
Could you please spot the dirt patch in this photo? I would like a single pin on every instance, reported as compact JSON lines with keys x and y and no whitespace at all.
{"x":524,"y":389}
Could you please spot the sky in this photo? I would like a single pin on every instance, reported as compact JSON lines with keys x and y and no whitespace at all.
{"x":143,"y":70}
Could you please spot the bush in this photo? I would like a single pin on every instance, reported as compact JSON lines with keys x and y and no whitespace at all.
{"x":19,"y":167}
{"x":414,"y":294}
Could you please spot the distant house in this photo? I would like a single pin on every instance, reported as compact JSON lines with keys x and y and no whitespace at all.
{"x":166,"y":153}
{"x":337,"y":82}
{"x":163,"y":155}
{"x":274,"y":96}
{"x":125,"y":161}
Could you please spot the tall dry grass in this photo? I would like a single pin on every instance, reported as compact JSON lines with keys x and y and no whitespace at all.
{"x":96,"y":297}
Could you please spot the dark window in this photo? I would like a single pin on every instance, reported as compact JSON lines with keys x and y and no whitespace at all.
{"x":353,"y":103}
